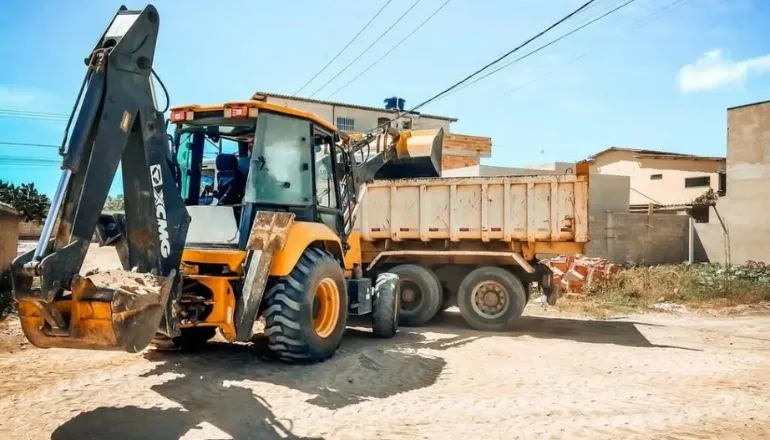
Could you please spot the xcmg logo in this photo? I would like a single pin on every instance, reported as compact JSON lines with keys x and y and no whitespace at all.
{"x":160,"y":209}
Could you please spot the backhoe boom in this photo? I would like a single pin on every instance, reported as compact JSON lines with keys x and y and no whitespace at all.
{"x":117,"y":124}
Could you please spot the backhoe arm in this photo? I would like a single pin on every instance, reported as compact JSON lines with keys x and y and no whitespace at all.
{"x":117,"y":123}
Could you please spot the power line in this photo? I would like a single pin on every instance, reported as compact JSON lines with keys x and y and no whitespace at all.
{"x":28,"y":159}
{"x":343,"y":49}
{"x":391,"y":49}
{"x":644,"y":21}
{"x":26,"y":144}
{"x":554,"y":41}
{"x":12,"y":110}
{"x":497,"y":60}
{"x":366,"y":50}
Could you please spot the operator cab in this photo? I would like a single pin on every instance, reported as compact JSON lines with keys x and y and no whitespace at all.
{"x":239,"y":158}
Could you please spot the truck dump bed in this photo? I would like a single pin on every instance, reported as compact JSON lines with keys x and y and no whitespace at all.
{"x":528,"y":209}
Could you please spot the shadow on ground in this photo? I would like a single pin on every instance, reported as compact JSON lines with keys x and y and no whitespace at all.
{"x":616,"y":332}
{"x":216,"y":385}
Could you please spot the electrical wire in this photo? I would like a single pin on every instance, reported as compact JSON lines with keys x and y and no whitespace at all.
{"x":344,"y":48}
{"x":488,"y":65}
{"x":391,"y":49}
{"x":29,"y":112}
{"x":544,"y":46}
{"x":27,"y":144}
{"x":644,"y":21}
{"x":398,"y":20}
{"x":29,"y":159}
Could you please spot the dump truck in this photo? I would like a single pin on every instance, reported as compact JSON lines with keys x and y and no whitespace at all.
{"x":273,"y":237}
{"x":472,"y":242}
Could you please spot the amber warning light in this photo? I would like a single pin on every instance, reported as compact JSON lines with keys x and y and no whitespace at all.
{"x":239,"y":111}
{"x":177,"y":115}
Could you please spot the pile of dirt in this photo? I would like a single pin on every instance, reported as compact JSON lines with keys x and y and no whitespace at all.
{"x":134,"y":282}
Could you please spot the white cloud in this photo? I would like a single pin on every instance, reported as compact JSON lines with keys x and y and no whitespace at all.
{"x":713,"y":70}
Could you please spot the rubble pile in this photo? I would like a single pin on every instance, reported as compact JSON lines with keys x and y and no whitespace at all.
{"x":574,"y":274}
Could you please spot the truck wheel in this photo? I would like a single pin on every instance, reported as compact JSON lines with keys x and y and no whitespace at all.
{"x":194,"y":338}
{"x":420,"y":294}
{"x":306,"y":311}
{"x":385,"y":305}
{"x":491,"y":298}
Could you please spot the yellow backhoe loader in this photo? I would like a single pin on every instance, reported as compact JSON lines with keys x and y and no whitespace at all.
{"x":271,"y":236}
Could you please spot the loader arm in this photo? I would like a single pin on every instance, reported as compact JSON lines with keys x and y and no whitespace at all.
{"x":117,"y":124}
{"x":389,"y":154}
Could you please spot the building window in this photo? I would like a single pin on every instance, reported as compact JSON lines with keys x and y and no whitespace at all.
{"x":656,"y":176}
{"x":722,"y":190}
{"x":346,"y":124}
{"x":406,"y":124}
{"x":695,"y":182}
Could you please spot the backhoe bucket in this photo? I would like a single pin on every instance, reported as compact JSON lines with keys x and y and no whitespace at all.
{"x":110,"y":310}
{"x":418,"y":154}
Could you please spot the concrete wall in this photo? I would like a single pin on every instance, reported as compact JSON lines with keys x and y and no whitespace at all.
{"x":670,"y":188}
{"x":743,"y":233}
{"x":642,"y":239}
{"x":364,"y":119}
{"x":606,"y":193}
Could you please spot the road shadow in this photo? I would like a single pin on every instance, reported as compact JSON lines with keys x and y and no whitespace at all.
{"x":216,"y":386}
{"x":614,"y":332}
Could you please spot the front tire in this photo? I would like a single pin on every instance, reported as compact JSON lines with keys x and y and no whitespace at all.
{"x":306,"y":311}
{"x":491,"y":298}
{"x":385,"y":305}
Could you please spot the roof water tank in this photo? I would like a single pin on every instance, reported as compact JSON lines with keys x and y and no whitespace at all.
{"x":395,"y":102}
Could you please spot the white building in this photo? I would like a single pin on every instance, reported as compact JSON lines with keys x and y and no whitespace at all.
{"x":356,"y":118}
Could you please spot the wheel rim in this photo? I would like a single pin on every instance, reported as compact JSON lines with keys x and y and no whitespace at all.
{"x":326,"y":307}
{"x":411,"y":295}
{"x":489,"y":300}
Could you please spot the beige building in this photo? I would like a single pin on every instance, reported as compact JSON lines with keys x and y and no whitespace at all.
{"x":459,"y":150}
{"x":659,"y":177}
{"x":737,"y":228}
{"x":356,"y":118}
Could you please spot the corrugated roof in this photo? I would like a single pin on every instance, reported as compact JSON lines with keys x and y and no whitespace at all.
{"x":260,"y":95}
{"x":656,"y":153}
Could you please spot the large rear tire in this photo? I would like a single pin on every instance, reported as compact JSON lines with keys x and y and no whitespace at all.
{"x":491,"y":298}
{"x":385,"y":305}
{"x":420,"y":294}
{"x":306,"y":311}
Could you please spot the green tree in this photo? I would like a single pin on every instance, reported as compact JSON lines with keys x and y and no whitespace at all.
{"x":31,"y":204}
{"x":114,"y":203}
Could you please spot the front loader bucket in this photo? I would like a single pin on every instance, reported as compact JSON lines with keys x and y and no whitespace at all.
{"x":110,"y":310}
{"x":418,"y":154}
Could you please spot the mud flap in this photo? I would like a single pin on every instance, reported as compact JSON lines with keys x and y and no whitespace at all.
{"x":103,"y":317}
{"x":268,"y":235}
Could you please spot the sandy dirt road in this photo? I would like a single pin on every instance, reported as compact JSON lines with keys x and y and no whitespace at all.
{"x":556,"y":376}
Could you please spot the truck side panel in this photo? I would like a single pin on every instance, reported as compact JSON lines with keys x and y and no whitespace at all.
{"x":546,"y":208}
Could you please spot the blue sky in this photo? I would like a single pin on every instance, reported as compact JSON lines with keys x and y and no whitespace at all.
{"x":657,"y":74}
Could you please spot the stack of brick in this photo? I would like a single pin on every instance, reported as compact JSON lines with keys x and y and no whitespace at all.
{"x":575,"y":274}
{"x":462,"y":150}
